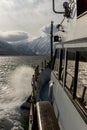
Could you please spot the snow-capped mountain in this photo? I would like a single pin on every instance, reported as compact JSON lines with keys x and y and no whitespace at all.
{"x":41,"y":45}
{"x":38,"y":46}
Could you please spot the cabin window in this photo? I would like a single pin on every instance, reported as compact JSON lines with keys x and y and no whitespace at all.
{"x":56,"y":62}
{"x":81,"y":6}
{"x":61,"y":64}
{"x":70,"y":69}
{"x":73,"y":76}
{"x":82,"y":80}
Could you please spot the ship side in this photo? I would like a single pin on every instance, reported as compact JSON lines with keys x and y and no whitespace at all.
{"x":69,"y":96}
{"x":59,"y":94}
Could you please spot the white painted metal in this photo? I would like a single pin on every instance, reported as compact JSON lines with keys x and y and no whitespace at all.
{"x":74,"y":28}
{"x":78,"y":43}
{"x":74,"y":35}
{"x":65,"y":111}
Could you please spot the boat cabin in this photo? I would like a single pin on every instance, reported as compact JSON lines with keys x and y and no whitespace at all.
{"x":69,"y":75}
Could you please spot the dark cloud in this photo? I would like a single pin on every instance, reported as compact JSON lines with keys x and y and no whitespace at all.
{"x":13,"y":36}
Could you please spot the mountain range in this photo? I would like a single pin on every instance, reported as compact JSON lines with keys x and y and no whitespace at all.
{"x":38,"y":46}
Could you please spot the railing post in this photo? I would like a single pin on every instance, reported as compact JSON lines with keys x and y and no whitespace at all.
{"x":76,"y":74}
{"x":60,"y":63}
{"x":45,"y":63}
{"x":65,"y":67}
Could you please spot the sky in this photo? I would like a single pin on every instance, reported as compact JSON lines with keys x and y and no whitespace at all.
{"x":26,"y":19}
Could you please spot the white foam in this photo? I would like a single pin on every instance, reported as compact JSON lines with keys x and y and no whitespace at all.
{"x":17,"y":126}
{"x":17,"y":90}
{"x":20,"y":81}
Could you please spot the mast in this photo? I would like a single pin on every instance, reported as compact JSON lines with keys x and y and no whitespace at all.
{"x":51,"y":52}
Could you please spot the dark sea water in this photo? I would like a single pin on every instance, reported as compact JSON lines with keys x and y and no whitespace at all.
{"x":15,"y":87}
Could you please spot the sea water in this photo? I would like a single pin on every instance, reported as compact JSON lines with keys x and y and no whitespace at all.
{"x":15,"y":88}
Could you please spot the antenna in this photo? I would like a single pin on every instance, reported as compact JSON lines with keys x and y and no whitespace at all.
{"x":51,"y":40}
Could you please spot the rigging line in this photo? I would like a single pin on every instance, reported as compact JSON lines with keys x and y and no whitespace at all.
{"x":62,"y":20}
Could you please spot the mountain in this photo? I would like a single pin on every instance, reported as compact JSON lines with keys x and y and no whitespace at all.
{"x":38,"y":46}
{"x":11,"y":49}
{"x":41,"y":45}
{"x":23,"y":49}
{"x":6,"y":49}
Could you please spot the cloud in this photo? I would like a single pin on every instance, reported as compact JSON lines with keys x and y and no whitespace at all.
{"x":26,"y":15}
{"x":47,"y":29}
{"x":13,"y":36}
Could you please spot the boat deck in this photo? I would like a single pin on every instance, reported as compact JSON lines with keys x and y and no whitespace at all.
{"x":46,"y":117}
{"x":43,"y":85}
{"x":44,"y":92}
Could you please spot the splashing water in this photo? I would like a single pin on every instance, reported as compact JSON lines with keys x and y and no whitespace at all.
{"x":20,"y":81}
{"x":13,"y":93}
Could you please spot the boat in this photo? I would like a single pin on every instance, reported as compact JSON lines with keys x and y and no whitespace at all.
{"x":59,"y":89}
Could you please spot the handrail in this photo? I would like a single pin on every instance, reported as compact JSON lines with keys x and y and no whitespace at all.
{"x":31,"y":117}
